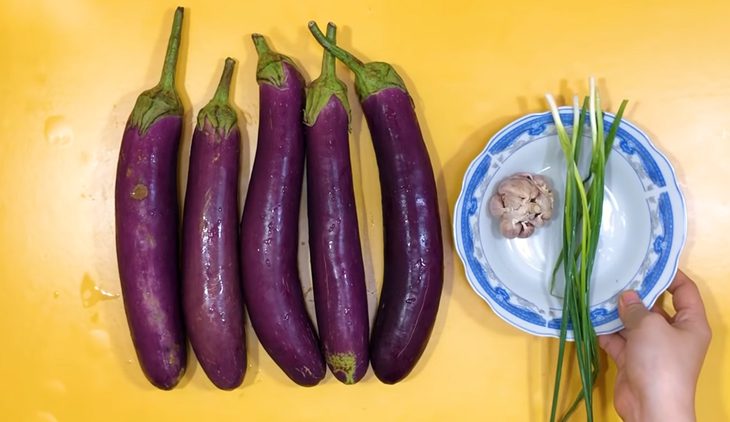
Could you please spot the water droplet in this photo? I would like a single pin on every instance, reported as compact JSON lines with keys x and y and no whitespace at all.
{"x":43,"y":416}
{"x":220,"y":209}
{"x":347,"y":311}
{"x":267,"y":241}
{"x":286,"y":317}
{"x":268,"y":262}
{"x":55,"y":386}
{"x":332,"y":228}
{"x":410,"y":299}
{"x":56,"y":294}
{"x":91,"y":293}
{"x":58,"y":131}
{"x":99,"y":340}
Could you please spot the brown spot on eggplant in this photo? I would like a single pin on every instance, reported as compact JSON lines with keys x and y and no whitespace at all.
{"x":139,"y":192}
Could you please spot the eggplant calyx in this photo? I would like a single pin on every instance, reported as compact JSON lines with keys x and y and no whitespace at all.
{"x":219,"y":114}
{"x":162,"y":100}
{"x":323,"y":88}
{"x":270,"y":67}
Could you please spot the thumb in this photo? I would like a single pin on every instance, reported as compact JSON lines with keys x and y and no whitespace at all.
{"x":631,"y":309}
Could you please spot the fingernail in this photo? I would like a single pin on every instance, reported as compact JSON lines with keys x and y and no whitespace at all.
{"x":629,"y":297}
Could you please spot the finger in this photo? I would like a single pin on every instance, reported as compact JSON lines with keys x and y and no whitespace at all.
{"x":613,"y":345}
{"x":631,"y":309}
{"x":658,"y":309}
{"x":687,"y":301}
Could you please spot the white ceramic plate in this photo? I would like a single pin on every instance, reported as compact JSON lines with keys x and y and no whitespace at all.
{"x":642,"y":233}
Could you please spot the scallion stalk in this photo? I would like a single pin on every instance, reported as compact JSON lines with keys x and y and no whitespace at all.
{"x":582,"y":214}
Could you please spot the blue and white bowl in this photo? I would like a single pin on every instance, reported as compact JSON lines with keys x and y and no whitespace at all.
{"x":642,"y":233}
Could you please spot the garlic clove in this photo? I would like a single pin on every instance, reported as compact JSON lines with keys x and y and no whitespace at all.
{"x":509,"y":228}
{"x":496,"y":205}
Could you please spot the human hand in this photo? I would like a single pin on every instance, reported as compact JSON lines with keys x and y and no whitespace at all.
{"x":659,"y":357}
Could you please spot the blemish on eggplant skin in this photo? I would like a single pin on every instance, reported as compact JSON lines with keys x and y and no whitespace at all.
{"x":139,"y":192}
{"x":343,"y":363}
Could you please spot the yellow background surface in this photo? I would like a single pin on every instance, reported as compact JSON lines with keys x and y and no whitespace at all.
{"x":71,"y":70}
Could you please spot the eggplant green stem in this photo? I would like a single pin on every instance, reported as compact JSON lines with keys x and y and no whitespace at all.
{"x":224,"y":86}
{"x":328,"y":59}
{"x":352,"y":62}
{"x":161,"y":100}
{"x":260,"y":43}
{"x":321,"y":90}
{"x":167,"y":79}
{"x":218,"y":113}
{"x":370,"y":78}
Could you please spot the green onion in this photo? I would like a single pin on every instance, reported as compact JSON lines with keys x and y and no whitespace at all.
{"x":582,"y":214}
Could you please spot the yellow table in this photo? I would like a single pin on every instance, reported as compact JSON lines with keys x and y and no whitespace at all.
{"x":72,"y":69}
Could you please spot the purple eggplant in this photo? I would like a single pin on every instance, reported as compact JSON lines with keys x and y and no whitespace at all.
{"x":146,"y":211}
{"x":269,"y":226}
{"x":212,"y":298}
{"x":338,"y":275}
{"x":413,"y":276}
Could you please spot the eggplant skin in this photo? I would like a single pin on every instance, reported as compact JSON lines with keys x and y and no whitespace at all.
{"x":340,"y":295}
{"x":269,"y":234}
{"x":147,"y":247}
{"x":212,"y":297}
{"x":413,"y":273}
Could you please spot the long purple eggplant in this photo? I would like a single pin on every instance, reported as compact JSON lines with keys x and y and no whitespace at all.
{"x":413,"y":277}
{"x":146,"y":210}
{"x":338,"y":276}
{"x":212,"y":298}
{"x":269,"y":226}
